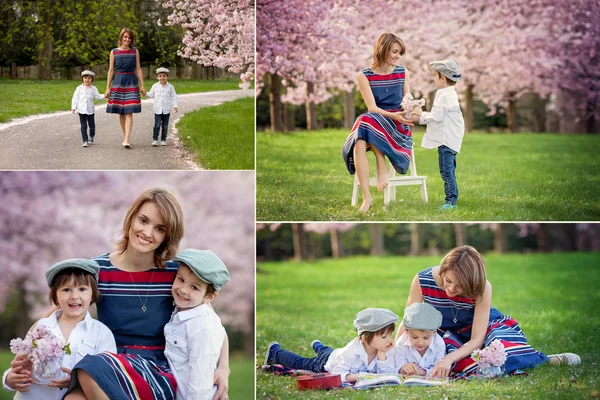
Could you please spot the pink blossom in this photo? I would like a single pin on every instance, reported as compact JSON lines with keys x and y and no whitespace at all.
{"x":494,"y":354}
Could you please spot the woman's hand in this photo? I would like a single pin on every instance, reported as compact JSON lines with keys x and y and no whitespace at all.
{"x":399,"y":116}
{"x":107,"y":94}
{"x":442,"y":368}
{"x":221,"y":379}
{"x":143,"y":91}
{"x":19,"y":378}
{"x":62,"y":383}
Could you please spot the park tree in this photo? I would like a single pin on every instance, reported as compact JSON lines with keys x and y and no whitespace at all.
{"x":219,"y":34}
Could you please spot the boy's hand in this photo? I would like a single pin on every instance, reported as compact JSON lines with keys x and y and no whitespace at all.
{"x":417,"y":111}
{"x":176,"y":109}
{"x":62,"y":383}
{"x":19,"y":379}
{"x":73,"y":111}
{"x":409,"y":369}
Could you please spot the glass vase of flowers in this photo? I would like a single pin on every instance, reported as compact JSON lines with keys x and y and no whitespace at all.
{"x":490,"y":360}
{"x":44,"y":350}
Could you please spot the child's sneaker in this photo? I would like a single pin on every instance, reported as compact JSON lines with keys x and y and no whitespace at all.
{"x":316,"y":345}
{"x":163,"y":142}
{"x":85,"y":144}
{"x":448,"y":206}
{"x":155,"y":143}
{"x":91,"y":141}
{"x":269,"y":354}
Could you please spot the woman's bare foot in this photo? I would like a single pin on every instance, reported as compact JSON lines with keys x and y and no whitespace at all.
{"x":382,"y":182}
{"x":382,"y":174}
{"x":366,"y":204}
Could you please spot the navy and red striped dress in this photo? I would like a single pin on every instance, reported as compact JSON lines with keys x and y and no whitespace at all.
{"x":390,"y":137}
{"x":125,"y":91}
{"x":140,"y":370}
{"x":519,"y":354}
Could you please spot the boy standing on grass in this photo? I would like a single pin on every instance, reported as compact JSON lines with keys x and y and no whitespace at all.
{"x":83,"y":103}
{"x":165,"y":98}
{"x":194,"y":335}
{"x":445,"y":126}
{"x":420,"y":347}
{"x":372,"y":351}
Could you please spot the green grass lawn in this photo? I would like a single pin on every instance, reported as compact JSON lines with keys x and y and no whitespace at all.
{"x":222,"y":137}
{"x":241,"y":380}
{"x":554,"y":297}
{"x":301,"y":176}
{"x":24,"y":97}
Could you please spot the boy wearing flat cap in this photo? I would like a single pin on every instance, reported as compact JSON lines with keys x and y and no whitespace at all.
{"x":83,"y":103}
{"x":165,"y":98}
{"x":73,"y":288}
{"x":445,"y":126}
{"x":372,"y":351}
{"x":420,"y":347}
{"x":194,"y":335}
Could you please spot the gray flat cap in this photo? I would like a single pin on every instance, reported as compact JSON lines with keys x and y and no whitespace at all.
{"x":89,"y":266}
{"x":422,"y":316}
{"x":206,"y":265}
{"x":449,"y":68}
{"x":162,"y":69}
{"x":373,"y":319}
{"x":87,"y":72}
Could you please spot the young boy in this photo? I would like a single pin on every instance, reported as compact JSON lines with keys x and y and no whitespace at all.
{"x":83,"y":103}
{"x":372,"y":351}
{"x":194,"y":335}
{"x":445,"y":126}
{"x":165,"y":98}
{"x":420,"y":347}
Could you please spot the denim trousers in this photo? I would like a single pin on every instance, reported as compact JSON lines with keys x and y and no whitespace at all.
{"x":85,"y":120}
{"x":293,"y":360}
{"x":447,"y":161}
{"x":161,"y":120}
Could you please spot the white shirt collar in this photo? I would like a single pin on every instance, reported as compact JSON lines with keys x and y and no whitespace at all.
{"x":53,"y":319}
{"x":192,"y":312}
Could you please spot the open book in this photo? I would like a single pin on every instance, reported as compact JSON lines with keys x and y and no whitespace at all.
{"x":367,"y":380}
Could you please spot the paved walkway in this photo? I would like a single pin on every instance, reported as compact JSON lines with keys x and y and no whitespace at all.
{"x":53,"y":141}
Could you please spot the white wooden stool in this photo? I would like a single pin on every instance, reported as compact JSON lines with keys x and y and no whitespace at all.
{"x":389,"y":193}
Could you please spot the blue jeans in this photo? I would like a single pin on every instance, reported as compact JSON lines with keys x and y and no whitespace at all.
{"x":293,"y":360}
{"x":161,"y":120}
{"x":447,"y":161}
{"x":85,"y":120}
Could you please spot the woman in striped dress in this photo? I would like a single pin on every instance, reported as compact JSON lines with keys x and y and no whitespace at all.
{"x":123,"y":91}
{"x":383,"y":129}
{"x":458,"y":288}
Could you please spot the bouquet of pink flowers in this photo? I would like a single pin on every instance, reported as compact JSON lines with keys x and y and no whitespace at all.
{"x":45,"y":351}
{"x":490,"y":359}
{"x":409,"y":103}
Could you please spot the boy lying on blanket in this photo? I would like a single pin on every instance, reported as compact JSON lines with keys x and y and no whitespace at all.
{"x":372,"y":351}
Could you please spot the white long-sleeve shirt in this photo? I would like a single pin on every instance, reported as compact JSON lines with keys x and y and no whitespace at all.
{"x":83,"y":99}
{"x":353,"y":359}
{"x":165,"y":97}
{"x":193,"y":344}
{"x":89,"y":336}
{"x":405,"y":353}
{"x":445,"y":123}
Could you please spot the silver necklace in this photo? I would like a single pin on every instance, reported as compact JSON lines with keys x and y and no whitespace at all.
{"x":453,"y":315}
{"x":144,"y":308}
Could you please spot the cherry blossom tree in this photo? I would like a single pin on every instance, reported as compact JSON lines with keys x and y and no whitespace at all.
{"x":49,"y":216}
{"x":219,"y":33}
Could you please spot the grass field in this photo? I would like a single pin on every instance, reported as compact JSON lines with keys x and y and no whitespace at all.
{"x":553,"y":296}
{"x":222,"y":137}
{"x":301,"y":176}
{"x":24,"y":97}
{"x":241,"y":380}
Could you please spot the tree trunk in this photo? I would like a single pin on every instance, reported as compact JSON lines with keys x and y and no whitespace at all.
{"x":289,"y":121}
{"x":539,"y":113}
{"x":500,"y":239}
{"x":300,"y":242}
{"x":45,"y":57}
{"x":542,"y":238}
{"x":416,"y":239}
{"x":22,"y":322}
{"x":249,"y":347}
{"x":468,"y":114}
{"x":311,"y":107}
{"x":275,"y":103}
{"x":376,"y":240}
{"x":460,"y":231}
{"x":349,"y":110}
{"x":511,"y":114}
{"x":13,"y":70}
{"x":337,"y":250}
{"x":591,"y":116}
{"x":429,"y":103}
